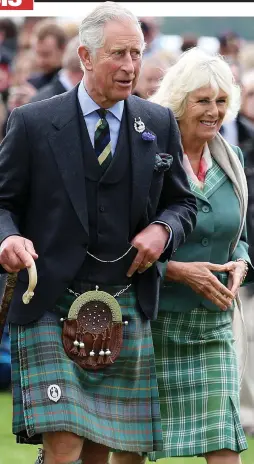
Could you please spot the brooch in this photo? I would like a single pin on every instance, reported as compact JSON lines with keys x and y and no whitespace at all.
{"x":139,"y":126}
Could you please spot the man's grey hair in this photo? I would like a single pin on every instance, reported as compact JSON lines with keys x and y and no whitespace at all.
{"x":193,"y":70}
{"x":91,"y":31}
{"x":70,"y":57}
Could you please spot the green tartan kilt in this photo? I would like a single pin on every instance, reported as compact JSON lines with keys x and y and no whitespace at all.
{"x":197,"y":377}
{"x":117,"y":406}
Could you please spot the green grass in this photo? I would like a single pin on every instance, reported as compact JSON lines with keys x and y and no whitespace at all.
{"x":11,"y":453}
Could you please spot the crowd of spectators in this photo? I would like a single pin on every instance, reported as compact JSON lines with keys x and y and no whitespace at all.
{"x":38,"y":60}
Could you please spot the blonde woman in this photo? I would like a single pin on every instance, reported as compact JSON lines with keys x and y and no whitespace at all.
{"x":196,"y":360}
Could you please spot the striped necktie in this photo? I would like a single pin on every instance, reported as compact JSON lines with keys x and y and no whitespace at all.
{"x":102,"y":143}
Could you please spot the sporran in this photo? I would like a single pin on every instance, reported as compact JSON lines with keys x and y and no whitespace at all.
{"x":93,"y":331}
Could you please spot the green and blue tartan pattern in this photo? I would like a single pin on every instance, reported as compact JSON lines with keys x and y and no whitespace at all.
{"x":117,"y":406}
{"x":197,"y":376}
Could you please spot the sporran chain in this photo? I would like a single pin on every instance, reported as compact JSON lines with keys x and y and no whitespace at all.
{"x":113,"y":260}
{"x":116,"y":294}
{"x":105,"y":261}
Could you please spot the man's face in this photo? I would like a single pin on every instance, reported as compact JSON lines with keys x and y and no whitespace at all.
{"x":112,"y":73}
{"x":48,"y":56}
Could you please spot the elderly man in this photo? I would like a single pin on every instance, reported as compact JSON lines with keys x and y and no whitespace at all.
{"x":91,"y":187}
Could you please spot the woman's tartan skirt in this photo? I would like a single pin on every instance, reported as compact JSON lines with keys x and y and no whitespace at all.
{"x":117,"y":406}
{"x":198,"y":383}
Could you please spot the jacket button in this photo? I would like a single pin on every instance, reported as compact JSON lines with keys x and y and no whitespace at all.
{"x":205,"y":209}
{"x":205,"y":242}
{"x":101,"y":208}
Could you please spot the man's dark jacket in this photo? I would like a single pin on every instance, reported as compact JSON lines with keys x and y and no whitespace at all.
{"x":43,"y":194}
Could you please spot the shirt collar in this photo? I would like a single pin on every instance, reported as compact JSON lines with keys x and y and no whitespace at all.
{"x":65,"y":80}
{"x":88,"y":105}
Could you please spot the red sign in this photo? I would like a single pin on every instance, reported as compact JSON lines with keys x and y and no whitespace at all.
{"x":16,"y":5}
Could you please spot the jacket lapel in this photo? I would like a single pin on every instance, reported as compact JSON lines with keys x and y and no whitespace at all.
{"x":66,"y":145}
{"x":142,"y":157}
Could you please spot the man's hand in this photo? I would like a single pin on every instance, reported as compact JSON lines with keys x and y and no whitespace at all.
{"x":150,"y":243}
{"x":16,"y":253}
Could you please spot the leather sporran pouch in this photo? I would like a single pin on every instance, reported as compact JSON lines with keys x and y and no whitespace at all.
{"x":93,"y":331}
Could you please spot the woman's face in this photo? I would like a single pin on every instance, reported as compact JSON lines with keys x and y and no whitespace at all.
{"x":204,"y":114}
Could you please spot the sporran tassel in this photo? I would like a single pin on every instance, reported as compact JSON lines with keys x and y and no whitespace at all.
{"x":74,"y":350}
{"x":108,"y":357}
{"x":101,"y":358}
{"x":82,"y":350}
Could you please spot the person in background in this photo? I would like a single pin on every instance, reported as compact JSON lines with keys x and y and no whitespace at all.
{"x":48,"y":43}
{"x":150,"y":26}
{"x":230,"y":129}
{"x":70,"y":29}
{"x":8,"y":33}
{"x":4,"y":81}
{"x":22,"y":66}
{"x":26,"y":31}
{"x":245,"y":125}
{"x":246,"y":56}
{"x":18,"y":96}
{"x":152,"y":71}
{"x":240,"y":131}
{"x":69,"y":76}
{"x":196,"y":362}
{"x":19,"y":91}
{"x":8,"y":40}
{"x":188,"y":41}
{"x":2,"y":118}
{"x":230,"y":44}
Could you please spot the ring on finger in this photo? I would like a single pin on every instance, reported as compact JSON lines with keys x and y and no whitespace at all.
{"x":148,"y":264}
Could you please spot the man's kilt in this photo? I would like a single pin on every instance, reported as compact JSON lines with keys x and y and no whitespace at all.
{"x":117,"y":406}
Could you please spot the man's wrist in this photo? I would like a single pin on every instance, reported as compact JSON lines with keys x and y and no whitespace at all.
{"x":165,"y":225}
{"x":167,"y":229}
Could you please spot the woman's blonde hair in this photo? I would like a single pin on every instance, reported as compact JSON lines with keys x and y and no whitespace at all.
{"x":193,"y":70}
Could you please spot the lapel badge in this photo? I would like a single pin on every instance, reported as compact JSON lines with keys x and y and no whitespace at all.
{"x":139,"y":126}
{"x":54,"y":393}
